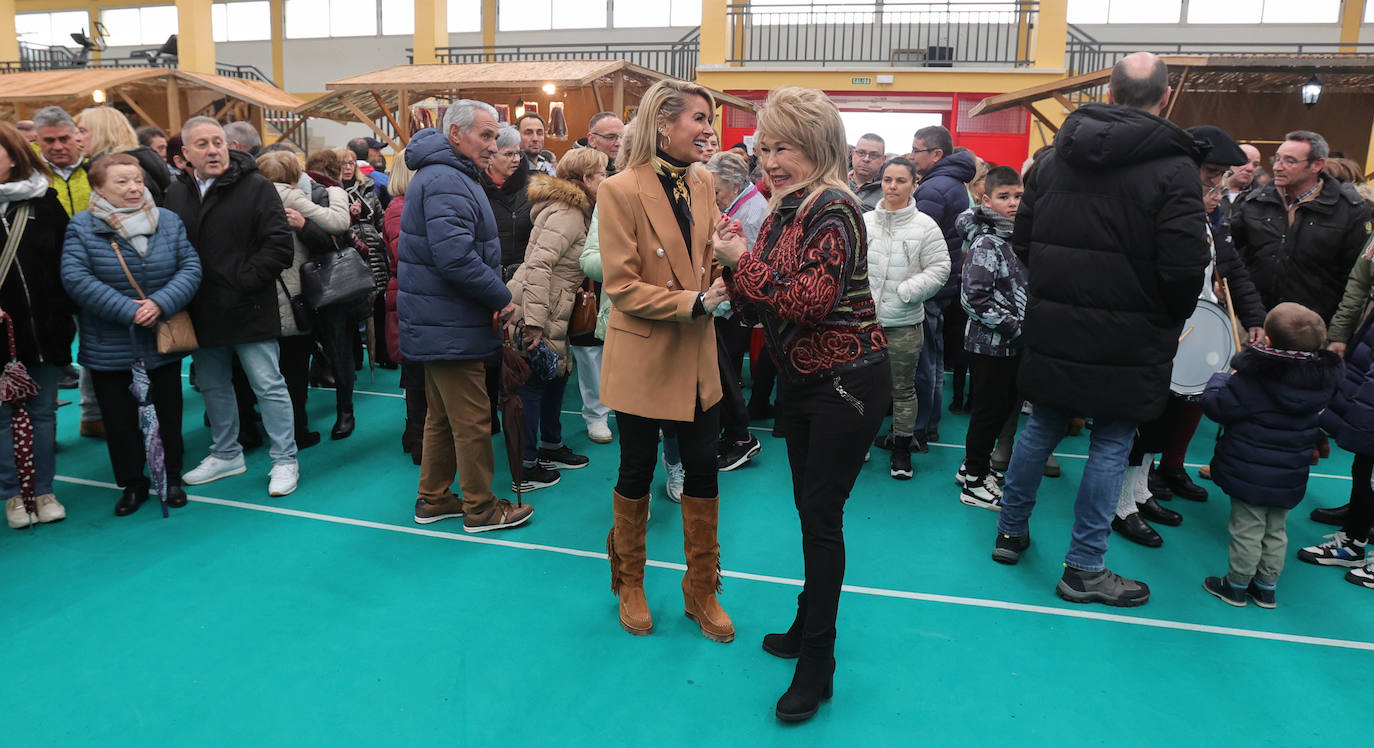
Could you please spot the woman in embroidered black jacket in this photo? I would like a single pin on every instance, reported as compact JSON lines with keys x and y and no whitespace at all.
{"x":807,"y":280}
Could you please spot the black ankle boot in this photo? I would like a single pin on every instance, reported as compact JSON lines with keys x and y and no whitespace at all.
{"x":1181,"y":485}
{"x":343,"y":427}
{"x":788,"y":645}
{"x":813,"y":682}
{"x":134,"y":496}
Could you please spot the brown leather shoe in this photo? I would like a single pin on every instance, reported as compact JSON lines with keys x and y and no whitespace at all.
{"x":702,"y":580}
{"x":93,"y":429}
{"x":625,"y":547}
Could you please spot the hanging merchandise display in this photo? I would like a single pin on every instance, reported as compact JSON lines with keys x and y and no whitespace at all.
{"x":558,"y":124}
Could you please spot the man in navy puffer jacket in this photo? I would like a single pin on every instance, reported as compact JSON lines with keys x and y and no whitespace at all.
{"x":942,"y":195}
{"x":448,"y":289}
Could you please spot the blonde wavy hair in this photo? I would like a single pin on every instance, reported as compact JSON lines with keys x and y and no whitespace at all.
{"x":807,"y":119}
{"x":107,"y":131}
{"x":664,"y":102}
{"x":399,"y":181}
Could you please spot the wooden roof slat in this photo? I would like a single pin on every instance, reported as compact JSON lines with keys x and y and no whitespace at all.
{"x":56,"y":85}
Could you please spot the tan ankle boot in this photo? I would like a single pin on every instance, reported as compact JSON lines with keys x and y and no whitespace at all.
{"x":625,"y":546}
{"x":702,"y":581}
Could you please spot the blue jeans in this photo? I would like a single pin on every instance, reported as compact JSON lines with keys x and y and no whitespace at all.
{"x":1097,"y":492}
{"x":930,"y":371}
{"x":543,"y":408}
{"x":43,"y":412}
{"x":214,"y":376}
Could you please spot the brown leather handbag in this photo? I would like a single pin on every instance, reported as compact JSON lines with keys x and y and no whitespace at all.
{"x":175,"y":334}
{"x":583,"y":318}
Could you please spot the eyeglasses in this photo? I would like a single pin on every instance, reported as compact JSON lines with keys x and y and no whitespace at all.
{"x":1289,"y":161}
{"x":867,"y":155}
{"x":508,"y":154}
{"x":612,"y":138}
{"x":1217,"y":190}
{"x":1217,"y":172}
{"x":914,"y":151}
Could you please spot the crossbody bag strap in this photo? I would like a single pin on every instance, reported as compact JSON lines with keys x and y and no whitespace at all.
{"x":120,"y":256}
{"x":16,"y":229}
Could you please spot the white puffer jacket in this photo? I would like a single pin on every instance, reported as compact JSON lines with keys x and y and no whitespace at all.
{"x":908,"y":262}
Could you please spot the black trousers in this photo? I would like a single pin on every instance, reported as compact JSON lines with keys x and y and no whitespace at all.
{"x":639,"y":453}
{"x":294,"y":362}
{"x":123,"y":436}
{"x":829,"y":426}
{"x":1154,"y":437}
{"x":732,"y":342}
{"x":379,"y":325}
{"x":957,"y":360}
{"x":1361,"y":513}
{"x":994,"y":378}
{"x":417,"y":401}
{"x":336,"y":327}
{"x":764,"y":373}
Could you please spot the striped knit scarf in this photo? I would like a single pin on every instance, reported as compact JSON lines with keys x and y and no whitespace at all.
{"x":134,"y":224}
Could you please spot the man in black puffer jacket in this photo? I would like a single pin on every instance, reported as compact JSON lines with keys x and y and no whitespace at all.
{"x":1300,"y":235}
{"x":237,"y":223}
{"x":1111,"y":230}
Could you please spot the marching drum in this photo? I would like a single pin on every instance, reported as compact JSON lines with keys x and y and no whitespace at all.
{"x":1205,"y":347}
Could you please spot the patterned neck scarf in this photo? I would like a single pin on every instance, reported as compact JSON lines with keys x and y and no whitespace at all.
{"x":673,"y":174}
{"x":134,"y":224}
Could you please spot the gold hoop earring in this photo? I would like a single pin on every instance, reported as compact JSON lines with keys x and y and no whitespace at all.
{"x":667,"y":141}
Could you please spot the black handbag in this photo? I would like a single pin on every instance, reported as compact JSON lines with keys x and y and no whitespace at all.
{"x":338,"y":276}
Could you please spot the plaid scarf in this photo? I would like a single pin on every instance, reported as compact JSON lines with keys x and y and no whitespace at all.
{"x":134,"y":224}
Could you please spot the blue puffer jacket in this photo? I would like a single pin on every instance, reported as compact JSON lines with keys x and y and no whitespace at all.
{"x":1349,"y":417}
{"x":449,"y":258}
{"x":943,"y":195}
{"x":1269,"y":411}
{"x":169,"y":274}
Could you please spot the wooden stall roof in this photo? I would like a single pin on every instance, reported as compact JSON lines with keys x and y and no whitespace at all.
{"x":1232,"y":73}
{"x":59,"y":86}
{"x":380,"y":90}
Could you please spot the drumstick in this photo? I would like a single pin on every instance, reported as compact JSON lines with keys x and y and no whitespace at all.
{"x":1186,"y":333}
{"x":1231,"y":311}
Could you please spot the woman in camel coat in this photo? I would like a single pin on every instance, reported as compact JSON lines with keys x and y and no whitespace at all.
{"x":657,"y":218}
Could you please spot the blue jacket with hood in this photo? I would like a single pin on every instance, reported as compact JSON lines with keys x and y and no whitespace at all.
{"x":448,"y":258}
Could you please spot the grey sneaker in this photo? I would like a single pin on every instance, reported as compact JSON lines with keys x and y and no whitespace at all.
{"x":500,"y":516}
{"x":1102,"y":587}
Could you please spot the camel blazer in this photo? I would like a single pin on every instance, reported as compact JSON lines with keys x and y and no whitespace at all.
{"x":659,"y":362}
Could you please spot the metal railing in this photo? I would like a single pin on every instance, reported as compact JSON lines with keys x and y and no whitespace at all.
{"x":933,"y":34}
{"x":675,"y":58}
{"x":1085,"y":54}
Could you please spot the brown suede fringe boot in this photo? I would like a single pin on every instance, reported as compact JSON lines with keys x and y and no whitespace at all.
{"x":702,"y":581}
{"x":625,"y":546}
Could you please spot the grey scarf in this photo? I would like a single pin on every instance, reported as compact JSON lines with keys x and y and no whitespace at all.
{"x":134,"y":224}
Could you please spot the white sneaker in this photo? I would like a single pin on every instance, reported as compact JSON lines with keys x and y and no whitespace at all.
{"x":982,"y":492}
{"x":676,"y":475}
{"x":600,"y":432}
{"x":213,"y":468}
{"x":17,"y":515}
{"x":49,"y":509}
{"x":282,"y":479}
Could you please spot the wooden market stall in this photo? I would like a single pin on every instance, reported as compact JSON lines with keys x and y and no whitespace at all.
{"x":565,"y":92}
{"x":1256,"y":98}
{"x":164,"y":97}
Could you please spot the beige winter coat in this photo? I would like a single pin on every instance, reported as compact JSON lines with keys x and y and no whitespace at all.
{"x":334,"y":219}
{"x":545,"y":286}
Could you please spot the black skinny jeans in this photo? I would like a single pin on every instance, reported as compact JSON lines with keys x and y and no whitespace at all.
{"x":1361,"y":497}
{"x":994,"y":379}
{"x":829,"y":426}
{"x":124,"y":437}
{"x":639,"y":453}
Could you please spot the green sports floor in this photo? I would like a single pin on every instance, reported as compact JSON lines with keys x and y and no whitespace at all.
{"x":329,"y":618}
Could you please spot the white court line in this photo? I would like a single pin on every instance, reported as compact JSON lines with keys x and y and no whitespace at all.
{"x":769,"y":430}
{"x":853,"y":589}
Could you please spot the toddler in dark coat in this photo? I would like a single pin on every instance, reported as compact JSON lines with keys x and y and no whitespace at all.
{"x":1269,"y":408}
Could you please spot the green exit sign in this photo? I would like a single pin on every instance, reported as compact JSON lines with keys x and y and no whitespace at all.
{"x":860,"y":81}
